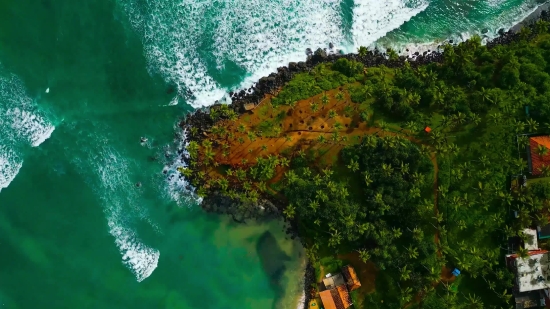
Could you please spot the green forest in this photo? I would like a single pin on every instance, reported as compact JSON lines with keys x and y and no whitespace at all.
{"x":414,"y":203}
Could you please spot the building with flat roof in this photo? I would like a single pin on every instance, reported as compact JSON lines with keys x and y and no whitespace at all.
{"x":532,"y":272}
{"x":530,"y":241}
{"x":333,"y":281}
{"x":531,"y":299}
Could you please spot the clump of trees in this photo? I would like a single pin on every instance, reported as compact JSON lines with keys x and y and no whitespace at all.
{"x":324,"y":77}
{"x":386,"y":216}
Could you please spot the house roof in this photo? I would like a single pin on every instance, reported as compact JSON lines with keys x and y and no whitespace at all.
{"x":533,"y":272}
{"x":351,"y":277}
{"x":344,"y":296}
{"x":336,"y":298}
{"x":328,"y":301}
{"x":538,"y":161}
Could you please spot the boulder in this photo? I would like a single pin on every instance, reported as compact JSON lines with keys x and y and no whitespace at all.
{"x":292,"y":66}
{"x":319,"y":53}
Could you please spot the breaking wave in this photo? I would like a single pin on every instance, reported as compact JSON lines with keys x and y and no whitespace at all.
{"x":197,"y":44}
{"x":179,"y":188}
{"x":22,"y":125}
{"x":438,"y":26}
{"x":109,"y":174}
{"x":10,"y":164}
{"x":372,"y":19}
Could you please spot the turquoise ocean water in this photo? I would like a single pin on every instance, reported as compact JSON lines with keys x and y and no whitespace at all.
{"x":82,"y":81}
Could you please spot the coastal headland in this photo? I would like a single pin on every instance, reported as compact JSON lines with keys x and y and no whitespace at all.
{"x":398,"y":166}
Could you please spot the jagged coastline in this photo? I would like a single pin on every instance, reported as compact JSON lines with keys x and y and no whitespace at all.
{"x":196,"y":125}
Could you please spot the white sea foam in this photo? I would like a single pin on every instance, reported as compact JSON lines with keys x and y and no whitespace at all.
{"x":109,"y":174}
{"x":20,"y":119}
{"x":10,"y":164}
{"x":178,"y":187}
{"x":122,"y":206}
{"x":27,"y":124}
{"x":505,"y":20}
{"x":138,"y":257}
{"x":22,"y":125}
{"x":372,"y":19}
{"x":261,"y":35}
{"x":172,"y":32}
{"x":183,"y":40}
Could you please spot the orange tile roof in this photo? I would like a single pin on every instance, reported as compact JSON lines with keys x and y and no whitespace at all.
{"x":328,"y":301}
{"x":351,"y":277}
{"x":344,"y":296}
{"x":538,"y":161}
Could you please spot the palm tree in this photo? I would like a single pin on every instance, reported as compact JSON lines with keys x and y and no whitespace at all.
{"x":532,"y":125}
{"x":383,"y":126}
{"x":392,"y":54}
{"x":368,"y":179}
{"x":474,"y":301}
{"x":335,"y":137}
{"x":324,"y":99}
{"x":363,"y":51}
{"x":290,"y":211}
{"x":495,"y":117}
{"x":542,"y":151}
{"x":523,"y":253}
{"x":335,"y":239}
{"x":314,"y":107}
{"x":185,"y":171}
{"x":292,"y":104}
{"x":209,"y":154}
{"x":411,"y":126}
{"x":412,"y":252}
{"x":284,"y":162}
{"x":519,"y":125}
{"x":353,"y":165}
{"x":406,"y":296}
{"x":291,"y":177}
{"x":364,"y":255}
{"x":545,"y":170}
{"x":224,"y":184}
{"x":485,"y":95}
{"x":405,"y":273}
{"x":339,"y":96}
{"x":264,"y":147}
{"x":321,"y":139}
{"x":251,"y":136}
{"x":475,"y":118}
{"x":331,"y":113}
{"x":541,"y":26}
{"x":241,"y":128}
{"x":338,"y":126}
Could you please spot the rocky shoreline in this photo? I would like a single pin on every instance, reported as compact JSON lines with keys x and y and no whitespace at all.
{"x":195,"y":125}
